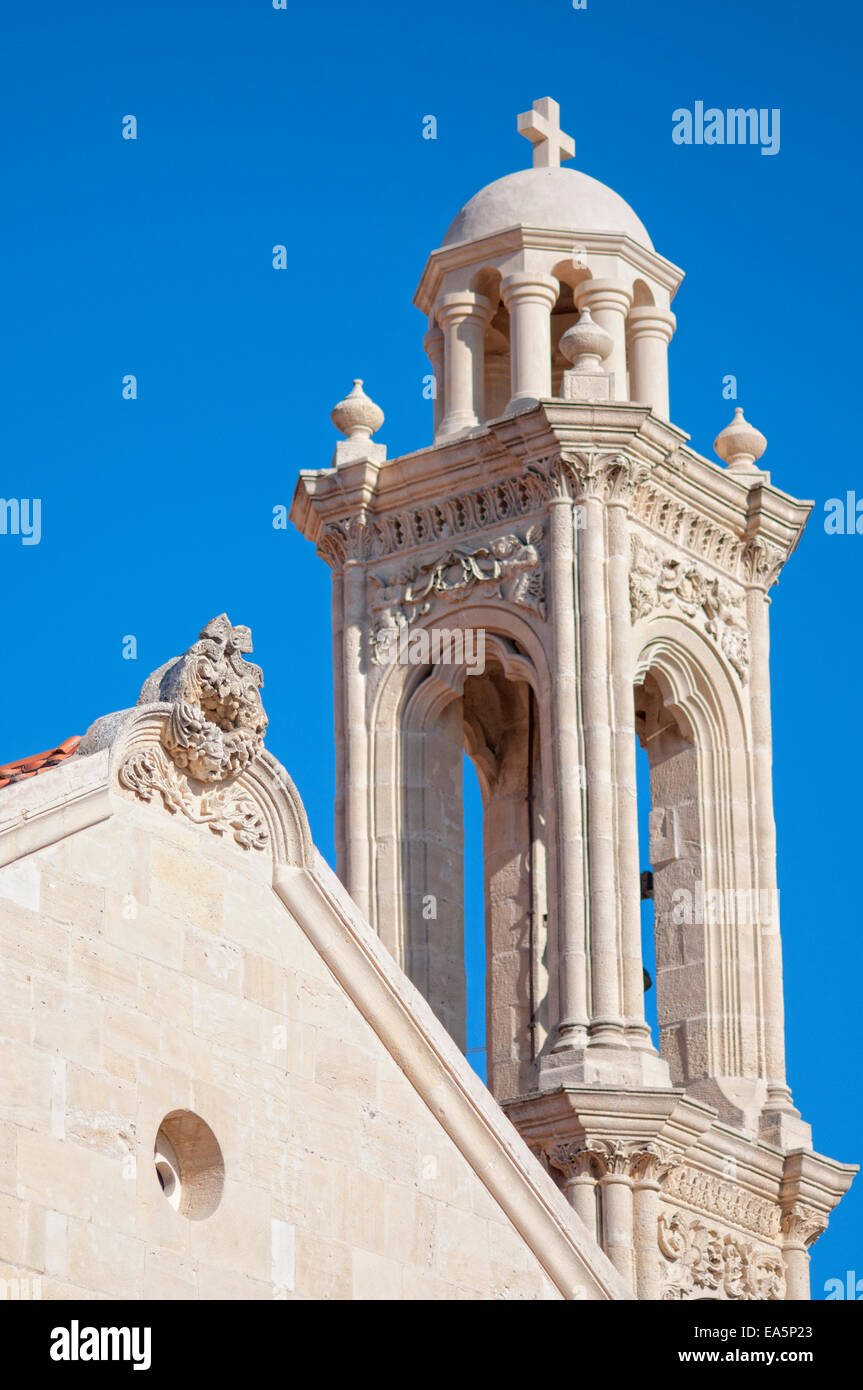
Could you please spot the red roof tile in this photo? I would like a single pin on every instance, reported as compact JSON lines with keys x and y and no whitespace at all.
{"x":37,"y":762}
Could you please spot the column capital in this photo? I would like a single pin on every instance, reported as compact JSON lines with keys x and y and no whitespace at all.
{"x":801,"y":1226}
{"x":461,"y":305}
{"x":527,"y":286}
{"x":647,"y":321}
{"x":604,"y":294}
{"x":433,"y":342}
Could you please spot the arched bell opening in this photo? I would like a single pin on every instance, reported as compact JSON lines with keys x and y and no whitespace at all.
{"x":675,"y":874}
{"x":491,"y":715}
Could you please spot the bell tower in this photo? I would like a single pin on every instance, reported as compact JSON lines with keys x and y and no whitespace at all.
{"x":556,"y":578}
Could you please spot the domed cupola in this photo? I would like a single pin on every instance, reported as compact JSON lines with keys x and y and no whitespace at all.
{"x":515,"y":269}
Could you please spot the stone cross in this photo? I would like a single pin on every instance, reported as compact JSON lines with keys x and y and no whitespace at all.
{"x":541,"y":127}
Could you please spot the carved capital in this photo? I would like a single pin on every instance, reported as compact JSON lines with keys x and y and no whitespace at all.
{"x":802,"y":1225}
{"x":761,"y":562}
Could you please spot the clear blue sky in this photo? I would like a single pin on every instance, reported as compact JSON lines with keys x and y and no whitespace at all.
{"x":303,"y":127}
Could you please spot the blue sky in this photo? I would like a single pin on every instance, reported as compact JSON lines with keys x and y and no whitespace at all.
{"x":303,"y":127}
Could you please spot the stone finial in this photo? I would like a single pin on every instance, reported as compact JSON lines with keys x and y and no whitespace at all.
{"x":586,"y":344}
{"x":217,"y":721}
{"x":357,"y":415}
{"x":358,"y":418}
{"x":740,"y":444}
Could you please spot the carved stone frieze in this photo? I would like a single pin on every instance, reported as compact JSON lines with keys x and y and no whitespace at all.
{"x":508,"y":567}
{"x":725,"y":1201}
{"x":657,"y":581}
{"x":703,"y":1261}
{"x":688,"y":528}
{"x":378,"y":537}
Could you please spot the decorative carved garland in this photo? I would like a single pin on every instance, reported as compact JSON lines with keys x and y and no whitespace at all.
{"x":506,"y":567}
{"x":149,"y":771}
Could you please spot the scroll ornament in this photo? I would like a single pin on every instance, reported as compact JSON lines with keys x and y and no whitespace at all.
{"x":703,"y":1261}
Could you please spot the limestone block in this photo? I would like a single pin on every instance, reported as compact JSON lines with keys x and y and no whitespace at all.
{"x":345,"y":1069}
{"x":365,"y":1214}
{"x":25,"y":1086}
{"x":324,"y":1268}
{"x":375,"y":1278}
{"x":53,"y":1172}
{"x":8,"y":1156}
{"x":131,"y":925}
{"x":213,"y":960}
{"x":27,"y":940}
{"x":100,"y":1111}
{"x":20,"y":883}
{"x":70,"y":900}
{"x":169,"y":1276}
{"x":461,"y":1248}
{"x":186,"y":887}
{"x":100,"y":1258}
{"x":101,"y":971}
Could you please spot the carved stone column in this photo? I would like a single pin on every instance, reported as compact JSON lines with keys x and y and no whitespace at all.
{"x":615,"y":1187}
{"x":757,"y":566}
{"x":648,"y":332}
{"x":463,"y":318}
{"x":356,"y":729}
{"x":606,"y":1024}
{"x":608,"y":302}
{"x":649,"y":1166}
{"x":801,"y":1226}
{"x":624,"y":478}
{"x":572,"y":968}
{"x":580,"y":1166}
{"x":530,"y":298}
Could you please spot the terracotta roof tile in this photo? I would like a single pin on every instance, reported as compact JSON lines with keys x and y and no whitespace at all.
{"x":38,"y":762}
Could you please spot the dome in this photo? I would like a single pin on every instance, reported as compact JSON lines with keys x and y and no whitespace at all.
{"x":547,"y":198}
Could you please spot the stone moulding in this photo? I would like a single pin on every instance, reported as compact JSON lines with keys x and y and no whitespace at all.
{"x":725,"y":1201}
{"x":657,"y":582}
{"x":376,"y":538}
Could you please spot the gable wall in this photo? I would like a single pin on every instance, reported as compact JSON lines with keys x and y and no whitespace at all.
{"x":145,"y":967}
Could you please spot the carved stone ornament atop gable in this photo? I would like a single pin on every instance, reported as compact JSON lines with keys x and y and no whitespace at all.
{"x":657,"y":581}
{"x":213,"y":733}
{"x":507,"y":568}
{"x":703,"y":1261}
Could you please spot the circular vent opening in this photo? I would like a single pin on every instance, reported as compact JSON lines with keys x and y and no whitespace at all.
{"x":189,"y":1166}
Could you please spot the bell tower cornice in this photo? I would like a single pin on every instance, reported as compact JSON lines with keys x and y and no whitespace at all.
{"x":495,"y":474}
